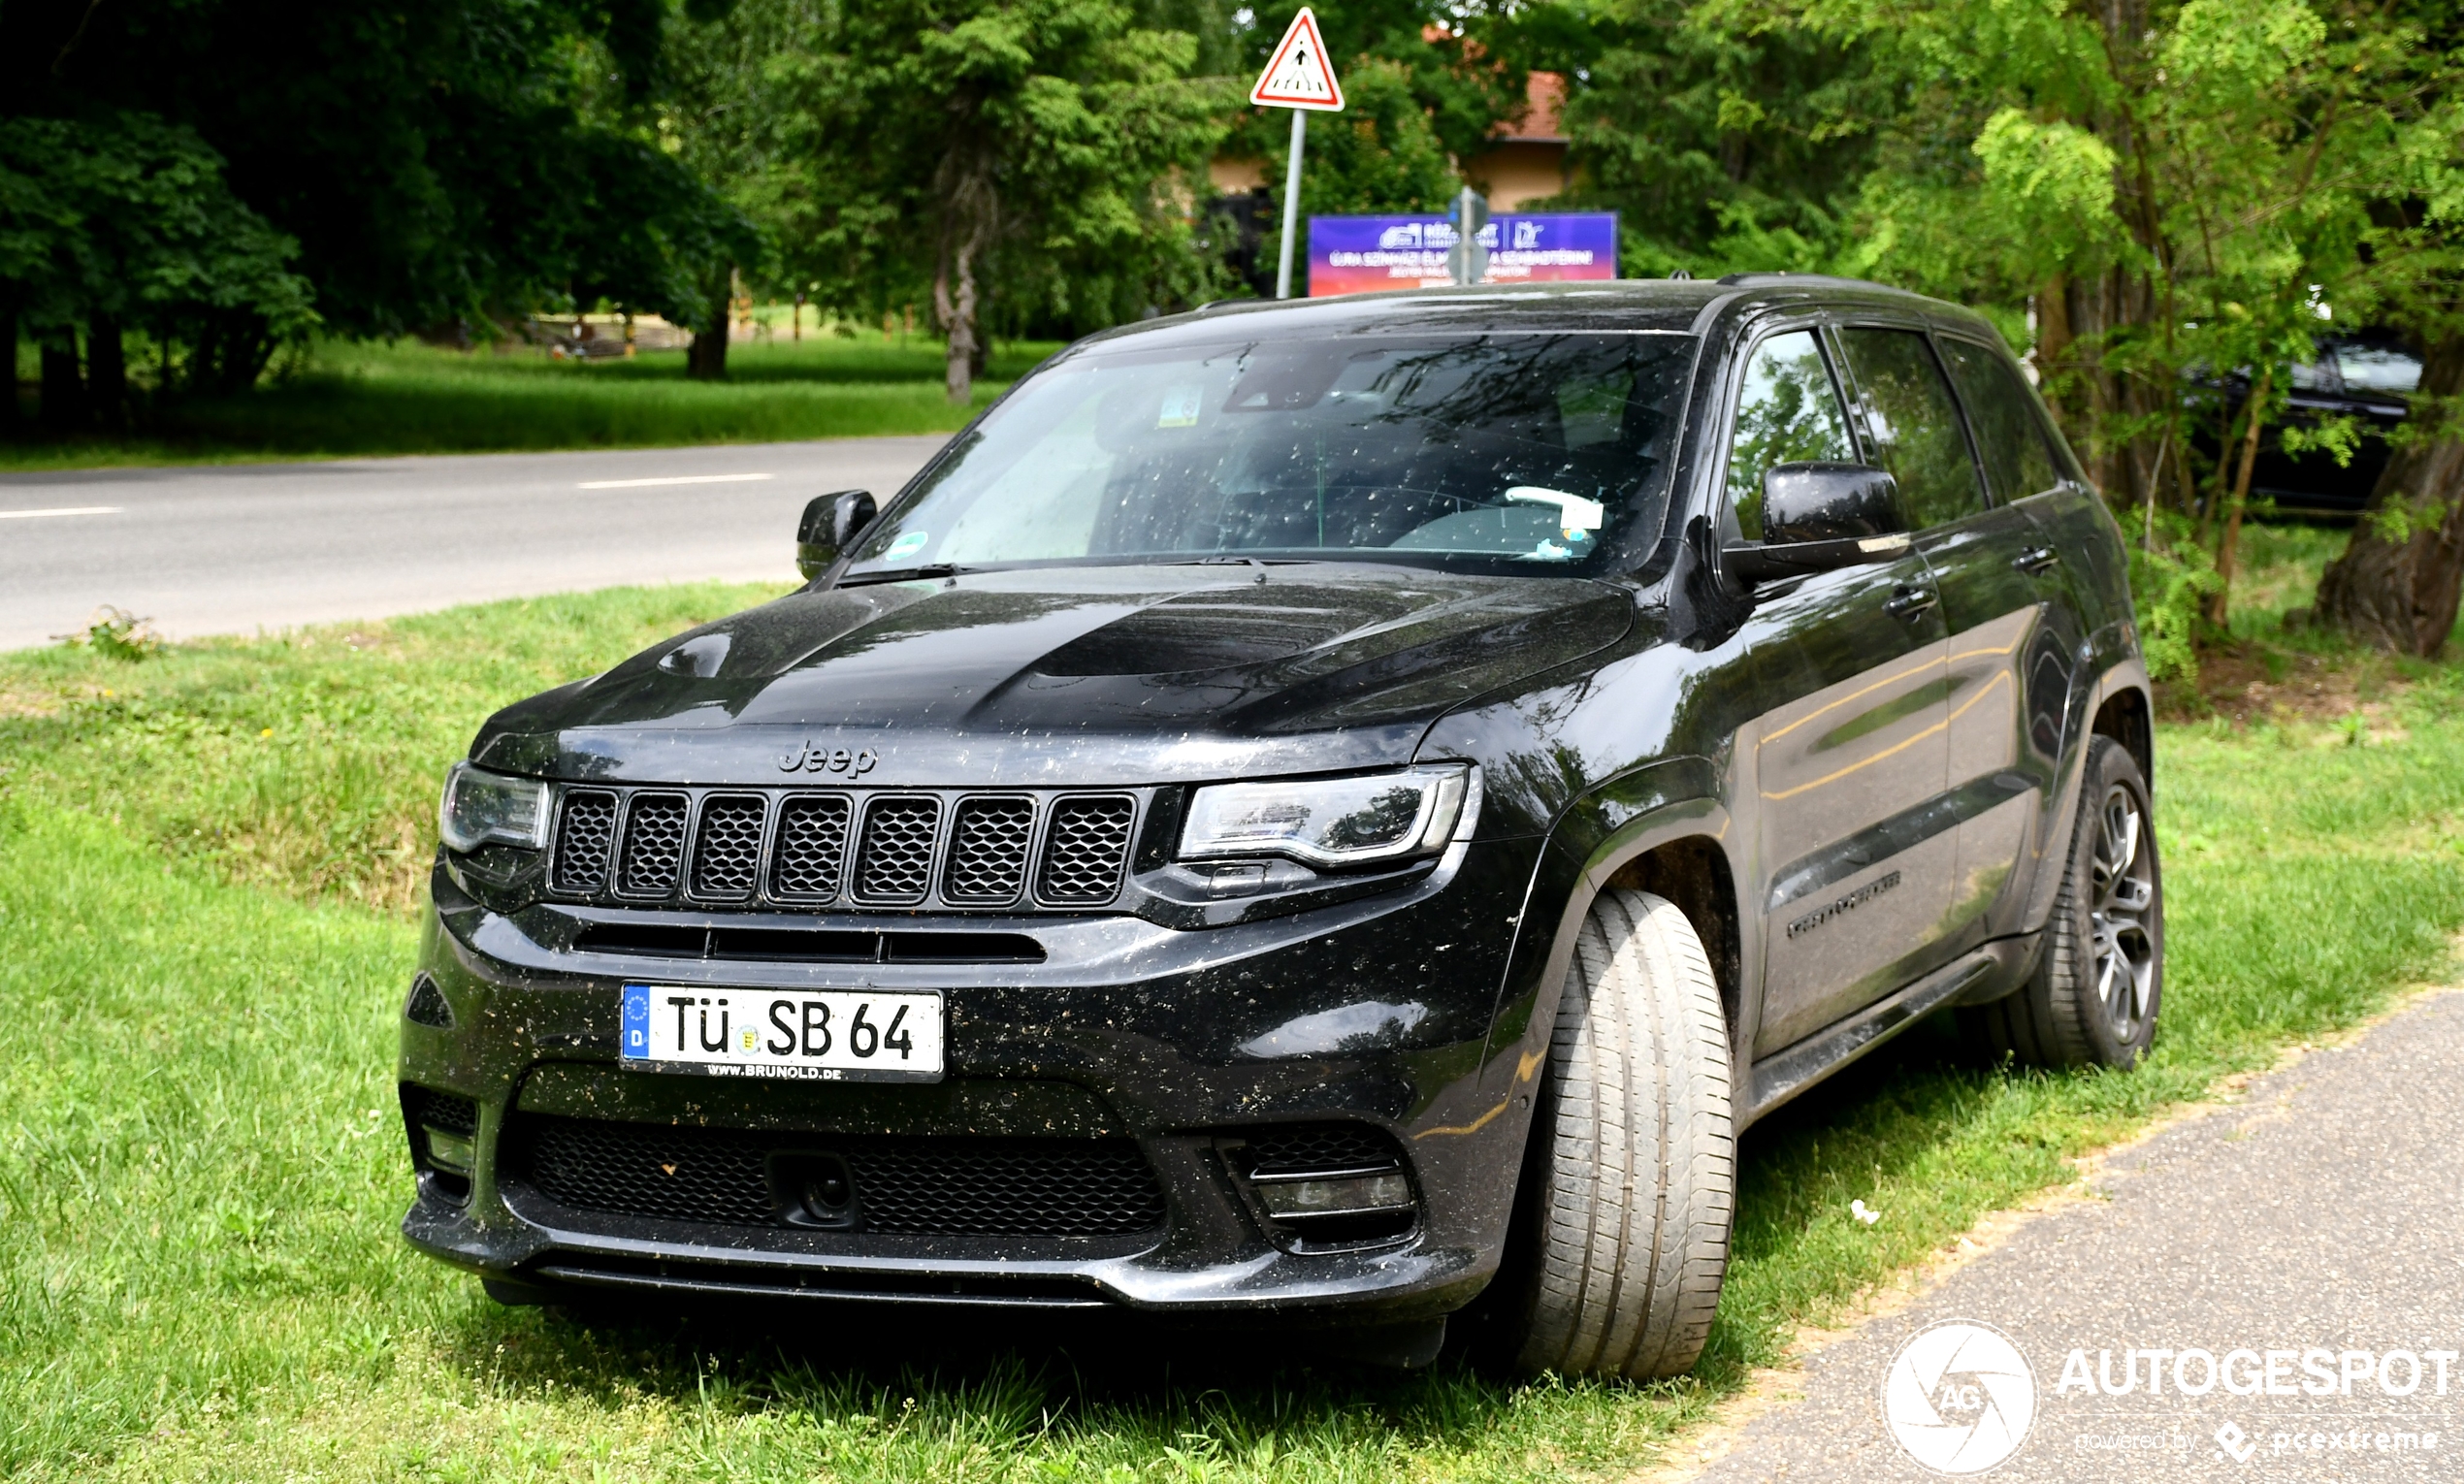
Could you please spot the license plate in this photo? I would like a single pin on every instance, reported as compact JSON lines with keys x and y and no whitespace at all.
{"x":809,"y":1035}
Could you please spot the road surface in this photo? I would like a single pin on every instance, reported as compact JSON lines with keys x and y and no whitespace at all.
{"x":237,"y":548}
{"x":2311,"y":1228}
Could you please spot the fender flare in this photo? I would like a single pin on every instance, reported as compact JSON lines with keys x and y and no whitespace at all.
{"x":1639,"y":812}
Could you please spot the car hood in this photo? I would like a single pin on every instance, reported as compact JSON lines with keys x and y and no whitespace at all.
{"x":1068,"y":675}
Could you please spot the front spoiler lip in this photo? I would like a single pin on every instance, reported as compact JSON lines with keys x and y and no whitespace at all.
{"x":1409,"y":1281}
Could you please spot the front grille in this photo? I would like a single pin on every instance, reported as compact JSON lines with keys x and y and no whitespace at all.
{"x":1089,"y":844}
{"x":956,"y":1187}
{"x":903,"y":849}
{"x":988,"y":851}
{"x":586,"y":837}
{"x":727,"y":855}
{"x":895,"y":863}
{"x":812,"y":847}
{"x":654,"y":845}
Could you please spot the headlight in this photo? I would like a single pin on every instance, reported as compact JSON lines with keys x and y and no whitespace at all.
{"x":480,"y":806}
{"x":1329,"y":820}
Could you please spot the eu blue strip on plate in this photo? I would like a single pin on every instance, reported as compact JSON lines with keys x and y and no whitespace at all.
{"x":636,"y":1042}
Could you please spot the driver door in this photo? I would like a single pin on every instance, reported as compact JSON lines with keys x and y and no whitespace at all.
{"x":1848,"y":759}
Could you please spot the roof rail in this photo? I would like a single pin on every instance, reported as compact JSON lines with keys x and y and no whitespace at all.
{"x":1733,"y":280}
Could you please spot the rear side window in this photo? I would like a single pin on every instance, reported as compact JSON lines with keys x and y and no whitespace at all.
{"x":1914,"y":425}
{"x":1787,"y":414}
{"x":2008,"y":433}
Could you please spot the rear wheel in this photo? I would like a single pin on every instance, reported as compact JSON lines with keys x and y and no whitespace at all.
{"x":2099,"y":978}
{"x":1622,"y":1232}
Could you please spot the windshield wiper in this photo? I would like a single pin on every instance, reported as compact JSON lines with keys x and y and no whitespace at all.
{"x":900,"y":574}
{"x":1242,"y":562}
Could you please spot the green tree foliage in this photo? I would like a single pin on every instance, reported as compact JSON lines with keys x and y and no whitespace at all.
{"x":1038,"y":155}
{"x":128,"y":223}
{"x":1724,"y":144}
{"x":1381,"y":154}
{"x":430,"y":162}
{"x":2163,"y":200}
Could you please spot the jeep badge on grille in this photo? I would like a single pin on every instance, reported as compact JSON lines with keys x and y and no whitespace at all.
{"x":829,"y":760}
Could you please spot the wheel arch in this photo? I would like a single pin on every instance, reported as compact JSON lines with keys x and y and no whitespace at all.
{"x":2123,"y":714}
{"x":1681,"y":845}
{"x":1693,"y":873}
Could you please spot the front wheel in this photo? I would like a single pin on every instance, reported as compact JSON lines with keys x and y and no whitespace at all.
{"x":2093,"y":1000}
{"x":1622,"y":1225}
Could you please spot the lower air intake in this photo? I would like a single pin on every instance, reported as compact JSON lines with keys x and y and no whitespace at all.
{"x":927,"y":1186}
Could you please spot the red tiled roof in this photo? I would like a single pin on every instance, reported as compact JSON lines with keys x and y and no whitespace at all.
{"x":1544,"y":96}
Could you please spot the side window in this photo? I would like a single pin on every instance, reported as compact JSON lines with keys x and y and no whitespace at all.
{"x":2008,"y":433}
{"x":1914,"y":425}
{"x":1787,"y":414}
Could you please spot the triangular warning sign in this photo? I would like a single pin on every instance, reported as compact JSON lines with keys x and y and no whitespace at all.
{"x":1299,"y":76}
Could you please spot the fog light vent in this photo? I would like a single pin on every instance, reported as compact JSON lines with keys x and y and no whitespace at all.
{"x":1326,"y":1186}
{"x":444,"y":1130}
{"x":449,"y":1151}
{"x":1290,"y":1198}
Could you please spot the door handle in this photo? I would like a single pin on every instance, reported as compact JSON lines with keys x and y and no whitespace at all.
{"x":2036,"y":558}
{"x":1908,"y":601}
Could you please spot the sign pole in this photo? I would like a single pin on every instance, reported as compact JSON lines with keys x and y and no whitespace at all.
{"x":1296,"y":78}
{"x":1292,"y":203}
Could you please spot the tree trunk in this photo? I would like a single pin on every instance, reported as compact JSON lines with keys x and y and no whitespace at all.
{"x":9,"y":415}
{"x":970,"y":211}
{"x":63,"y":390}
{"x":954,"y":301}
{"x":107,"y":374}
{"x":2397,"y":583}
{"x":706,"y":358}
{"x":2220,"y":604}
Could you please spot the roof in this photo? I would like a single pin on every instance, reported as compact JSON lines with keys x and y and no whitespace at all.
{"x":1543,"y":97}
{"x":1667,"y":305}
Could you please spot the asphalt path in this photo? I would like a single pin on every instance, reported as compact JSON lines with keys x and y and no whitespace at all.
{"x":2312,"y":1227}
{"x":239,"y":548}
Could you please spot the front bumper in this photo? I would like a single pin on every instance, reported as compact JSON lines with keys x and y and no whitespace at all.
{"x":1377,"y":1014}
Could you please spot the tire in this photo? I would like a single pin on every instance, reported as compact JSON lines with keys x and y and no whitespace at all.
{"x":2099,"y":977}
{"x":1622,"y":1229}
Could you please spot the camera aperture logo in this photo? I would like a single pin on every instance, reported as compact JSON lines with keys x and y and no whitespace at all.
{"x":1958,"y":1397}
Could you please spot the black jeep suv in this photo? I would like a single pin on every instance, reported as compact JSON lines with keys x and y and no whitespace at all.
{"x":1325,"y":812}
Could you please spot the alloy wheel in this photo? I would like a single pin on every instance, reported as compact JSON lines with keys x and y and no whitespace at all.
{"x":2125,"y":894}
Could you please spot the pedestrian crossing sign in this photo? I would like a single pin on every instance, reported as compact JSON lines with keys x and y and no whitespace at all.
{"x":1299,"y":75}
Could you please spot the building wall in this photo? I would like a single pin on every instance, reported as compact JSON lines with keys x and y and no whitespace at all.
{"x":1518,"y":171}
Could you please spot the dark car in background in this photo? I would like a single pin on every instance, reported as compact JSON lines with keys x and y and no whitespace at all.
{"x":1332,"y":814}
{"x":2364,"y":376}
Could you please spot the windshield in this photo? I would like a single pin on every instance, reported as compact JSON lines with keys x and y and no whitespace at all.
{"x":1503,"y":452}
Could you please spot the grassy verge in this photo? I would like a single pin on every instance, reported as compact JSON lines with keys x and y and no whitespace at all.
{"x":407,"y":397}
{"x":206,"y":862}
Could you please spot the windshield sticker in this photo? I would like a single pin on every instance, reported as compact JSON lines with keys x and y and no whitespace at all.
{"x":909,"y":544}
{"x":1180,"y":406}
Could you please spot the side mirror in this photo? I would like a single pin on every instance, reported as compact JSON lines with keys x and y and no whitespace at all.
{"x":831,"y":523}
{"x":1820,"y":517}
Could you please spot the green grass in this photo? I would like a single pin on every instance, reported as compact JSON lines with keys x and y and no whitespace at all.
{"x":407,"y":397}
{"x":205,"y":934}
